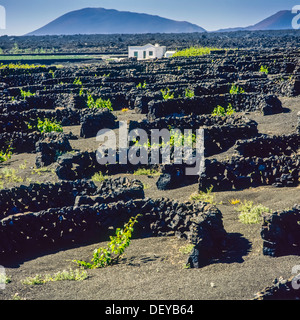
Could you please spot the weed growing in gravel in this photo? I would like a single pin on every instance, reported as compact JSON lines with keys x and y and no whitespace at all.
{"x":4,"y":279}
{"x":16,"y":296}
{"x":146,"y":186}
{"x":99,"y":177}
{"x":204,"y":196}
{"x":9,"y":175}
{"x":103,"y":257}
{"x":23,"y":165}
{"x":251,"y":214}
{"x":71,"y":275}
{"x":146,"y":172}
{"x":234,"y":201}
{"x":40,"y":171}
{"x":187,"y":249}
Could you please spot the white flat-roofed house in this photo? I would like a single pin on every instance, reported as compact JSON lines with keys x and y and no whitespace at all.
{"x":149,"y":51}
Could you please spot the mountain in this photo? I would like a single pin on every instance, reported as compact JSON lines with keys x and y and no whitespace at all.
{"x":281,"y":20}
{"x":108,"y":21}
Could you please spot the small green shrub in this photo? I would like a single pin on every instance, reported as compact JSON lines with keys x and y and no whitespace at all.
{"x":235,"y":89}
{"x":99,"y":177}
{"x":178,"y":139}
{"x":103,"y":257}
{"x":142,"y":86}
{"x":251,"y":214}
{"x":146,"y":172}
{"x":166,"y":94}
{"x":81,"y":92}
{"x":230,"y":110}
{"x":70,"y":275}
{"x":25,"y":94}
{"x":187,"y":249}
{"x":189,"y":93}
{"x":221,"y":112}
{"x":194,"y":51}
{"x":48,"y":125}
{"x":9,"y":175}
{"x":6,"y":155}
{"x":204,"y":196}
{"x":99,"y":103}
{"x":52,"y":73}
{"x":264,"y":69}
{"x":77,"y":82}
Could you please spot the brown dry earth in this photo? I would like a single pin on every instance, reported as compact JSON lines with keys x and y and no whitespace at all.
{"x":153,"y":268}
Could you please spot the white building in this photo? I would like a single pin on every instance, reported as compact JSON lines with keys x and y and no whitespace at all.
{"x":149,"y":51}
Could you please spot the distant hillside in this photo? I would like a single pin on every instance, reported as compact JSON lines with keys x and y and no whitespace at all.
{"x":104,"y":21}
{"x":281,"y":20}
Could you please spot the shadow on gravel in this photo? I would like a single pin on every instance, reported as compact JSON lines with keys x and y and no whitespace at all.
{"x":286,"y":110}
{"x":236,"y":248}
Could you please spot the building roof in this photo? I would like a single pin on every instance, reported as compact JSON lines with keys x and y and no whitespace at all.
{"x":146,"y":46}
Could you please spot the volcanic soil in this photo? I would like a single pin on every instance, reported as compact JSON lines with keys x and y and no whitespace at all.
{"x":154,"y":268}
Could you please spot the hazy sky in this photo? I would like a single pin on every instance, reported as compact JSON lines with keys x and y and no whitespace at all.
{"x":23,"y":16}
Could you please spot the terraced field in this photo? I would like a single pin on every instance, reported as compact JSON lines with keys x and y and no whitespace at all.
{"x":59,"y":204}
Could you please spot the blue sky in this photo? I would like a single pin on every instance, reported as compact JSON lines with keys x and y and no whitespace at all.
{"x":23,"y":16}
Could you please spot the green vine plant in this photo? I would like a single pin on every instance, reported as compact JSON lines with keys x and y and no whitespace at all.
{"x":221,"y":112}
{"x":77,"y":82}
{"x":189,"y":93}
{"x":142,"y":86}
{"x":46,"y":125}
{"x":166,"y":94}
{"x":235,"y":89}
{"x":264,"y":69}
{"x":6,"y":155}
{"x":25,"y":94}
{"x":98,"y":103}
{"x":103,"y":257}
